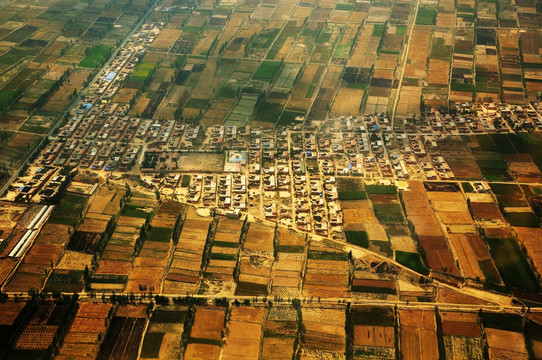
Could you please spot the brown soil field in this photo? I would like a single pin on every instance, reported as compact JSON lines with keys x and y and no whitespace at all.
{"x":208,"y":323}
{"x":125,"y":95}
{"x":202,"y":352}
{"x":151,"y":277}
{"x":157,"y":247}
{"x":248,"y":314}
{"x":523,"y":169}
{"x":403,"y":243}
{"x":243,"y":333}
{"x":466,"y":256}
{"x":347,"y":102}
{"x":88,"y":325}
{"x":334,"y":266}
{"x":497,"y":231}
{"x":460,"y":159}
{"x":439,"y":72}
{"x":277,"y":348}
{"x":93,"y":310}
{"x":328,"y":291}
{"x":72,"y":260}
{"x":290,"y":238}
{"x":23,"y":281}
{"x":367,"y":335}
{"x":446,"y":295}
{"x":216,"y":113}
{"x":530,"y":238}
{"x":140,"y":105}
{"x":203,"y":45}
{"x":43,"y":254}
{"x":131,"y":311}
{"x":10,"y":213}
{"x":486,"y":211}
{"x":124,"y":255}
{"x":506,"y":340}
{"x":418,"y":334}
{"x":460,"y":323}
{"x":101,"y":199}
{"x":113,"y":267}
{"x":227,"y":237}
{"x":19,"y":143}
{"x":113,"y":207}
{"x":259,"y":237}
{"x":326,"y":279}
{"x":92,"y":225}
{"x":6,"y":266}
{"x":387,"y":61}
{"x":455,"y":217}
{"x":419,"y":211}
{"x":455,"y":206}
{"x":54,"y":234}
{"x":249,"y":267}
{"x":468,"y":317}
{"x":438,"y":254}
{"x":458,"y":328}
{"x":130,"y":221}
{"x":322,"y":336}
{"x":10,"y":311}
{"x":418,"y":52}
{"x":287,"y":266}
{"x":326,"y":316}
{"x":60,"y":98}
{"x":96,"y":216}
{"x":358,"y":216}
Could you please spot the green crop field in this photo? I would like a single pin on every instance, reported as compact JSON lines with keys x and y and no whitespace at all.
{"x":95,"y":56}
{"x":412,"y":261}
{"x":512,"y":264}
{"x":358,"y":238}
{"x":266,"y":71}
{"x":426,"y":16}
{"x":143,"y":70}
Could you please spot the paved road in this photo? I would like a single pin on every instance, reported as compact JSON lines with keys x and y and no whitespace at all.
{"x":324,"y":302}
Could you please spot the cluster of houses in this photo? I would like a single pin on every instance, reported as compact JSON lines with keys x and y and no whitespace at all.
{"x":41,"y":184}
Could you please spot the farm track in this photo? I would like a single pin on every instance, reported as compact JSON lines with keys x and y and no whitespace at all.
{"x":404,"y":61}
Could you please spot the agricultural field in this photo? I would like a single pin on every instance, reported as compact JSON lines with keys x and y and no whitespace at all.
{"x":288,"y":266}
{"x":373,"y":331}
{"x":125,"y":330}
{"x":150,"y":263}
{"x":461,"y":335}
{"x":206,"y":334}
{"x":218,"y":277}
{"x":280,"y":332}
{"x":327,"y":272}
{"x":256,"y":260}
{"x":40,"y":333}
{"x":270,"y":179}
{"x":244,"y":331}
{"x":186,"y":263}
{"x":163,"y":334}
{"x":418,"y":334}
{"x":84,"y":336}
{"x":123,"y":242}
{"x":319,"y":324}
{"x":504,"y":337}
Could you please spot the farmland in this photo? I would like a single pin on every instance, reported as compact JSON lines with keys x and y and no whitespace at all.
{"x":270,"y":179}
